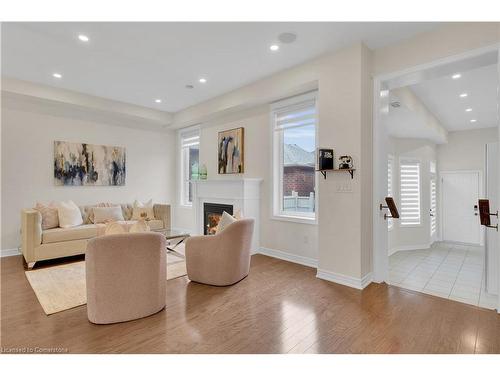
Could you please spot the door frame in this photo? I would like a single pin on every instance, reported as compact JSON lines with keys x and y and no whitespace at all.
{"x":380,"y":267}
{"x":440,"y":208}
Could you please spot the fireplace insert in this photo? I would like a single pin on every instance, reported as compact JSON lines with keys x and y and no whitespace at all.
{"x":212,"y":212}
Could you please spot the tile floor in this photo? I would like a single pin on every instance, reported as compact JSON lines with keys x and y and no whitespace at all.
{"x":445,"y":270}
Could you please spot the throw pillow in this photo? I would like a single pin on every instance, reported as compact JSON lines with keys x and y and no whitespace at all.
{"x":50,"y":218}
{"x":224,"y":222}
{"x":107,"y":214}
{"x":140,"y":226}
{"x":90,"y":218}
{"x":115,"y":228}
{"x":69,"y":214}
{"x":143,"y":210}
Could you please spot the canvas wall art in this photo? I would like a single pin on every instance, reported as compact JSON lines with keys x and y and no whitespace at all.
{"x":83,"y":164}
{"x":231,"y":151}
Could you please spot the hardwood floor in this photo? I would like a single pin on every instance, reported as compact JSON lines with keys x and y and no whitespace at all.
{"x":280,"y":307}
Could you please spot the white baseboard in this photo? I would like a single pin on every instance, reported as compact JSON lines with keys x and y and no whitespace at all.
{"x":410,"y":247}
{"x":299,"y":259}
{"x":353,"y":282}
{"x":9,"y":252}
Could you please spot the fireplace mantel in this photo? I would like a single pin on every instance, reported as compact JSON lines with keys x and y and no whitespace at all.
{"x":242,"y":193}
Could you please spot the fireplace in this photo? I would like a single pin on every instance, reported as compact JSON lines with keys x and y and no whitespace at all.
{"x":212,"y":212}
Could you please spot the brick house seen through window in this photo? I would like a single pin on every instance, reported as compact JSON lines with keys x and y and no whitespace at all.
{"x":298,"y":178}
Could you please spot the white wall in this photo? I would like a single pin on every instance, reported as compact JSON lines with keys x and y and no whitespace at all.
{"x":415,"y":237}
{"x":465,"y":149}
{"x":292,"y":238}
{"x":28,"y":133}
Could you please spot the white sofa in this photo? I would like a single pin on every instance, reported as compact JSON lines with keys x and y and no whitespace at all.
{"x":38,"y":244}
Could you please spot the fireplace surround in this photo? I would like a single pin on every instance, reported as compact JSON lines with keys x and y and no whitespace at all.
{"x":243,"y":194}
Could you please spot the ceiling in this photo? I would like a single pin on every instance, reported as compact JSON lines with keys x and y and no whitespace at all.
{"x":442,"y":97}
{"x":139,"y":62}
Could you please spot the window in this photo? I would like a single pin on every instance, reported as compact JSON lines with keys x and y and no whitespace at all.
{"x":433,"y":205}
{"x":390,"y":168}
{"x":189,"y":157}
{"x":294,"y":145}
{"x":410,"y":192}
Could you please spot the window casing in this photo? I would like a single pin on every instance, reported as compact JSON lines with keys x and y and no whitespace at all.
{"x":293,"y":123}
{"x":189,"y":157}
{"x":390,"y":182}
{"x":409,"y":193}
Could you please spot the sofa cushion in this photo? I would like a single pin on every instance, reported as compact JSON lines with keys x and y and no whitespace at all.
{"x":69,"y":234}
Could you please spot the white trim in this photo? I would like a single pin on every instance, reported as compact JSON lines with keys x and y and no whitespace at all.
{"x":410,"y":247}
{"x":349,"y":281}
{"x":9,"y":252}
{"x":299,"y":259}
{"x":295,"y":219}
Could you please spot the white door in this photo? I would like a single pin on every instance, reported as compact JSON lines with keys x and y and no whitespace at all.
{"x":460,"y":216}
{"x":491,"y":243}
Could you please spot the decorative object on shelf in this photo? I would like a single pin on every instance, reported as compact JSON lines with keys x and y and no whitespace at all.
{"x":83,"y":164}
{"x":345,"y":162}
{"x":195,"y":172}
{"x":203,"y":172}
{"x":230,"y":151}
{"x":325,"y":159}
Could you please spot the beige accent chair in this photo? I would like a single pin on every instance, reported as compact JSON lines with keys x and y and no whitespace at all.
{"x":38,"y":244}
{"x":222,"y":259}
{"x":126,"y":276}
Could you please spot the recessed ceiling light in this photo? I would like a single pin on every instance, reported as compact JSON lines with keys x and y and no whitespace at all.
{"x":464,"y":95}
{"x":83,"y":38}
{"x":274,"y":47}
{"x":157,"y":100}
{"x":468,"y":110}
{"x":57,"y":75}
{"x":456,"y":76}
{"x":473,"y":120}
{"x":202,"y":80}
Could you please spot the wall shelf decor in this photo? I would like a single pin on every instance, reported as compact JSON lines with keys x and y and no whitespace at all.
{"x":350,"y":171}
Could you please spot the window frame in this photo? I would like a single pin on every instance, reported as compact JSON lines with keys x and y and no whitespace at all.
{"x":183,"y":182}
{"x":277,"y":212}
{"x":402,"y":161}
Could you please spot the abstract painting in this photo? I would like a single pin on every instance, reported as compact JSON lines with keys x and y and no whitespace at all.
{"x":82,"y":164}
{"x":231,"y":151}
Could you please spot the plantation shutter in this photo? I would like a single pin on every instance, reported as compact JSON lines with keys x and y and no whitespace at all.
{"x":390,"y":168}
{"x":433,"y":205}
{"x":410,"y":192}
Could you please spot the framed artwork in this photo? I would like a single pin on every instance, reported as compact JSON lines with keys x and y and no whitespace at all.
{"x":82,"y":164}
{"x":230,"y":151}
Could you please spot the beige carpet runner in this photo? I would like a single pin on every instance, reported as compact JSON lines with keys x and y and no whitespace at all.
{"x":63,"y":287}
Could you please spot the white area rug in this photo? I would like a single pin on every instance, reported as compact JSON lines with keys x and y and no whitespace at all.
{"x":63,"y":287}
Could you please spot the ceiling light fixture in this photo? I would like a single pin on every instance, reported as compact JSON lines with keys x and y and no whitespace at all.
{"x":202,"y":80}
{"x":157,"y":100}
{"x":473,"y":120}
{"x":57,"y":75}
{"x":274,"y":47}
{"x":83,"y":38}
{"x":464,"y":95}
{"x":456,"y":76}
{"x":468,"y":110}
